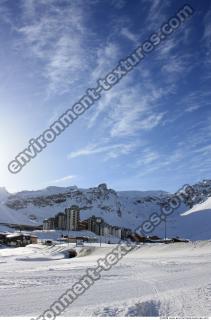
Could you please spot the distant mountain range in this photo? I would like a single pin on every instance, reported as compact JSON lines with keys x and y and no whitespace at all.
{"x":124,"y":209}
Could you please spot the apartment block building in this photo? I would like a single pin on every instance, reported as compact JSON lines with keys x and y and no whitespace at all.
{"x":49,"y":224}
{"x":69,"y":220}
{"x":72,"y":218}
{"x":61,"y":221}
{"x":93,"y":225}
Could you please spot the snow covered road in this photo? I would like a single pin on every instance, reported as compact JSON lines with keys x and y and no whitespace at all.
{"x":154,"y":280}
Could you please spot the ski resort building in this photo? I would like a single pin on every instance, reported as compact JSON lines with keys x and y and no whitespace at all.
{"x":70,"y":221}
{"x":72,"y":218}
{"x":18,"y":239}
{"x":49,"y":224}
{"x":60,"y":221}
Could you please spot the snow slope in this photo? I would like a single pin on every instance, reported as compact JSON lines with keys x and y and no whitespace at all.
{"x":3,"y":194}
{"x":154,"y":280}
{"x":200,"y":208}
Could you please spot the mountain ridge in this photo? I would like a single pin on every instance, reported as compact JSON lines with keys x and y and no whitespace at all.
{"x":122,"y":208}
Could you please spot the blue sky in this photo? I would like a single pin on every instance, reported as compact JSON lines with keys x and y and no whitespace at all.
{"x":151,"y":131}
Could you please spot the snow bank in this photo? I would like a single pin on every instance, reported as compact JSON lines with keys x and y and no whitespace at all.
{"x":200,"y":208}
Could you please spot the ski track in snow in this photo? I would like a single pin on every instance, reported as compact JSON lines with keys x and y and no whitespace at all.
{"x":154,"y":280}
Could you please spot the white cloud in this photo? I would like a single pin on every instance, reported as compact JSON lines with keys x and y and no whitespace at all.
{"x":129,"y":107}
{"x":147,"y":157}
{"x":205,"y":150}
{"x":63,"y":179}
{"x":175,"y":65}
{"x":118,"y":4}
{"x":207,"y":27}
{"x":207,"y":39}
{"x":192,"y":108}
{"x":129,"y":125}
{"x":196,"y":100}
{"x":166,"y":48}
{"x":129,"y":35}
{"x":106,"y":56}
{"x":156,"y":13}
{"x":109,"y":151}
{"x":135,"y":111}
{"x":152,"y":160}
{"x":56,"y":36}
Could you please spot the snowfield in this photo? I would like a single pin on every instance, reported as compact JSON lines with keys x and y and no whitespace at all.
{"x":200,"y":208}
{"x":153,"y":280}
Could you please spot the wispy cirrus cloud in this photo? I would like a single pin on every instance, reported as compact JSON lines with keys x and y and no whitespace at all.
{"x":207,"y":27}
{"x":136,"y":110}
{"x":151,"y":160}
{"x":106,"y":55}
{"x":129,"y":35}
{"x":197,"y":100}
{"x":108,"y":151}
{"x":56,"y":35}
{"x":156,"y":12}
{"x":206,"y":40}
{"x":126,"y":110}
{"x":130,"y":124}
{"x":147,"y":157}
{"x":63,"y":179}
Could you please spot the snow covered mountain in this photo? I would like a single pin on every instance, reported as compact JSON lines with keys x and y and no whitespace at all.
{"x":4,"y":194}
{"x":125,"y":208}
